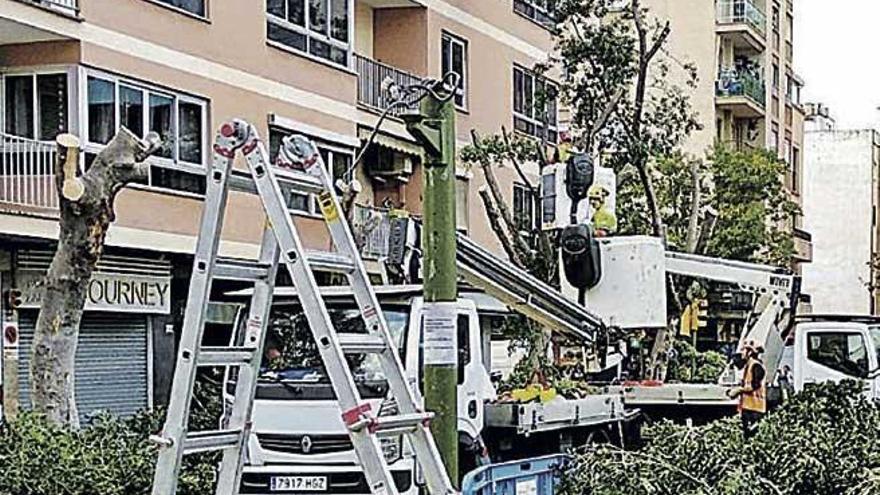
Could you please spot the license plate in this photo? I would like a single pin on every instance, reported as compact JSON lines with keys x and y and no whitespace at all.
{"x":298,"y":483}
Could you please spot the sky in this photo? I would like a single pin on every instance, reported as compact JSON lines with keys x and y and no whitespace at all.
{"x":837,"y":52}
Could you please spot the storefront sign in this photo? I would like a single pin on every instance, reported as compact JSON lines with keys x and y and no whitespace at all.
{"x":110,"y":292}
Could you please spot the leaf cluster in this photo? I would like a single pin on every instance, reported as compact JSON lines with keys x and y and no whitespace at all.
{"x":824,"y":441}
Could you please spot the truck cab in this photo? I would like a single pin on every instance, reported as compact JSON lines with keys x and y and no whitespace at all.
{"x":299,"y":442}
{"x":831,"y":348}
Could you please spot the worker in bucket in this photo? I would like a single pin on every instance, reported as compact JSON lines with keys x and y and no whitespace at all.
{"x":603,"y":218}
{"x":752,"y":392}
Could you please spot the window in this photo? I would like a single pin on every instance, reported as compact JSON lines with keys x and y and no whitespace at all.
{"x":795,"y":170}
{"x":180,"y":121}
{"x":775,"y":77}
{"x":319,"y":28}
{"x":464,"y":345}
{"x":534,"y":105}
{"x":35,"y":105}
{"x":462,"y":188}
{"x":540,"y":11}
{"x":774,"y":139}
{"x":787,"y":151}
{"x":548,"y":198}
{"x":195,"y":7}
{"x":775,"y":18}
{"x":337,"y":158}
{"x":454,"y":55}
{"x":844,"y":352}
{"x":523,"y":208}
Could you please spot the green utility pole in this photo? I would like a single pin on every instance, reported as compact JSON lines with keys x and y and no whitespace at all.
{"x":434,"y":128}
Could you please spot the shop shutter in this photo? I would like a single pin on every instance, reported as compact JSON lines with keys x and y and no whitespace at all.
{"x":111,"y":363}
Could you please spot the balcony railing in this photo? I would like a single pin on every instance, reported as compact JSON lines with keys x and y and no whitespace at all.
{"x":741,"y":12}
{"x":378,"y":221}
{"x":373,"y":78}
{"x":66,"y":6}
{"x":736,"y":83}
{"x":27,"y":173}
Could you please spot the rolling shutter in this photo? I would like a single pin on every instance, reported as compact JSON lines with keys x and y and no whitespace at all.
{"x":111,"y":363}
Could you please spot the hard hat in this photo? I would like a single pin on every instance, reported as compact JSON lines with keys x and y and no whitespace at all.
{"x":597,"y":192}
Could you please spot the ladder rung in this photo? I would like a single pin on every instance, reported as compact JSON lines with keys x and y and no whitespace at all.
{"x":330,"y":262}
{"x":249,"y":271}
{"x":226,"y":356}
{"x":204,"y":441}
{"x":361,"y":343}
{"x":400,"y":423}
{"x":241,"y":180}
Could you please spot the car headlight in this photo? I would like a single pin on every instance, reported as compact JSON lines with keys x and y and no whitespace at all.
{"x":392,"y":448}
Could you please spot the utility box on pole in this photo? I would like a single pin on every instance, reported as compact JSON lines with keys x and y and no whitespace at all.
{"x":434,"y":129}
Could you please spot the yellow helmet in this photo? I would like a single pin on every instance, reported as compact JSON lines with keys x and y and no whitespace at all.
{"x":598,"y":192}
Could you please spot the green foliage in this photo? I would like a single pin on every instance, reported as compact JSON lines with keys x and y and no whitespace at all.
{"x":597,"y":50}
{"x":692,"y":366}
{"x":111,"y":456}
{"x":825,"y":441}
{"x":745,"y":188}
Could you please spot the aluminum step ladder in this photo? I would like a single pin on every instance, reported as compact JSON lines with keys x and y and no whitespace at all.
{"x":301,"y":168}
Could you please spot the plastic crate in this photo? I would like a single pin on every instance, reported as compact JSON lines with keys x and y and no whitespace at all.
{"x":538,"y":476}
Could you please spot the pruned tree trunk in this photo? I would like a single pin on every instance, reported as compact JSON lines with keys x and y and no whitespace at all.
{"x":86,"y":212}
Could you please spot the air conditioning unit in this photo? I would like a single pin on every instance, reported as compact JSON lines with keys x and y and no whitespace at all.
{"x":389,"y":163}
{"x":557,"y":205}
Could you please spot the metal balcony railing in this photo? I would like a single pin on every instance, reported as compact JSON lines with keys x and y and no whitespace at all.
{"x":376,"y":242}
{"x":67,"y":6}
{"x":27,"y":172}
{"x":736,"y":83}
{"x":741,"y":12}
{"x":372,"y":86}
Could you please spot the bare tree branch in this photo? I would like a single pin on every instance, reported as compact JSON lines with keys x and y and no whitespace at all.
{"x":500,"y":233}
{"x":693,"y":233}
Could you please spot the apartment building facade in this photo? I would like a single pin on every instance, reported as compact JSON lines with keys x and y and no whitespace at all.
{"x":842,"y":201}
{"x":182,"y":67}
{"x":748,"y":93}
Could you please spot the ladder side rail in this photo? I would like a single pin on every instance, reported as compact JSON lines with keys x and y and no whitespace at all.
{"x":294,"y":257}
{"x":422,"y":440}
{"x":255,"y":330}
{"x":177,"y":417}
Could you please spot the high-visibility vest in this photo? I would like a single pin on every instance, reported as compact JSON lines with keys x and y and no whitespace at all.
{"x":756,"y":400}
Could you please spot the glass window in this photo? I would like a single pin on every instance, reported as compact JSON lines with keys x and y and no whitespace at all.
{"x":464,"y":345}
{"x":196,"y":7}
{"x":131,"y":109}
{"x":102,"y":114}
{"x":191,"y":138}
{"x":454,"y":55}
{"x":523,"y":208}
{"x":548,"y":202}
{"x":19,"y":102}
{"x":326,"y":34}
{"x":534,"y":105}
{"x":161,"y":122}
{"x":540,"y":11}
{"x":875,"y":336}
{"x":844,"y":352}
{"x":51,"y":105}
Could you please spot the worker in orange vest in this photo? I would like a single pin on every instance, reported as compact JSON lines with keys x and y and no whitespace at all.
{"x":752,"y":391}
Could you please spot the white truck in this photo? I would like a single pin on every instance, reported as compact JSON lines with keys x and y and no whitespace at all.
{"x":299,"y":438}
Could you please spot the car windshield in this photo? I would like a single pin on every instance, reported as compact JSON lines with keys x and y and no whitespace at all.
{"x":291,"y":354}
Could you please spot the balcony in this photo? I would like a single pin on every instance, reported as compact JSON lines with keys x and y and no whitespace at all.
{"x":743,"y":22}
{"x":27,"y":175}
{"x":742,"y":93}
{"x":374,"y":79}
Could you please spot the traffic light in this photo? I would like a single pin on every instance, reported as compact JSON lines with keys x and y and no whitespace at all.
{"x":579,"y":176}
{"x":580,"y":256}
{"x":14,"y":298}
